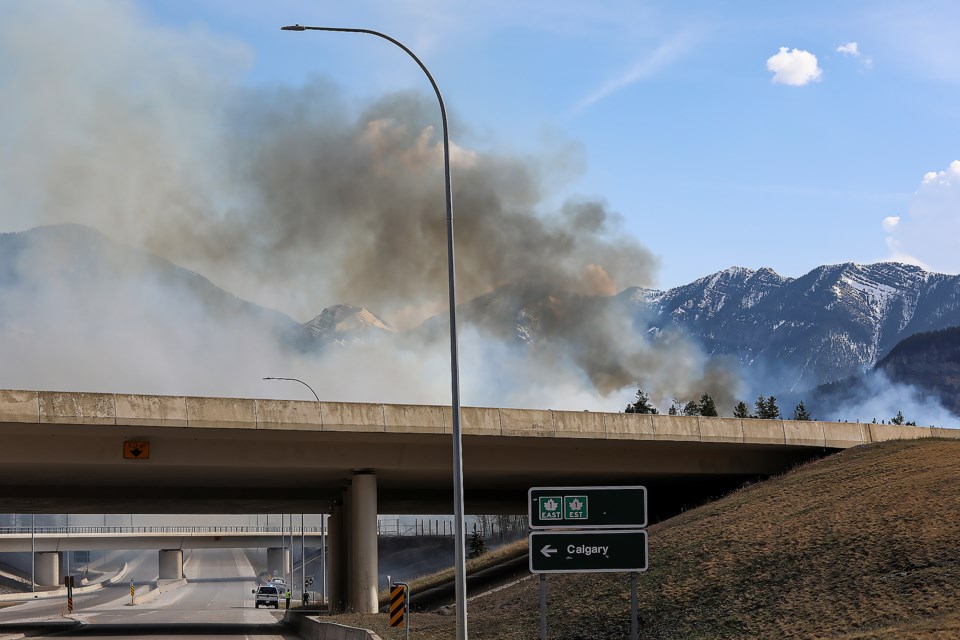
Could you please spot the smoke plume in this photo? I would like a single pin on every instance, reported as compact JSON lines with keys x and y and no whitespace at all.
{"x":296,"y":198}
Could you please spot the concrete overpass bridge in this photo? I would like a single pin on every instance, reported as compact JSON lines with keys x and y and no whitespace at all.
{"x":49,"y":546}
{"x":95,"y":539}
{"x":73,"y":453}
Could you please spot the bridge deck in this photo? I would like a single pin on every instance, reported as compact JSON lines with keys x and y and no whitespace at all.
{"x":63,"y":452}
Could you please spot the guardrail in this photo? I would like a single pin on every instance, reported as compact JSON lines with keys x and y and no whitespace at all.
{"x":159,"y":529}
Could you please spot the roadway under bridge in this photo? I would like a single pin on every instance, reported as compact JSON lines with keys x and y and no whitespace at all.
{"x":111,"y":453}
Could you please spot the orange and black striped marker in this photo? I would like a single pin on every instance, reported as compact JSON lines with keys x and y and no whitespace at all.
{"x":398,"y":599}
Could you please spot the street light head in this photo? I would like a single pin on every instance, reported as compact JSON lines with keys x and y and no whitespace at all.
{"x":293,"y":27}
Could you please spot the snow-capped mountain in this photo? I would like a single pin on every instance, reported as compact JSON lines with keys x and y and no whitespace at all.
{"x":835,"y":321}
{"x":795,"y":333}
{"x":70,"y":284}
{"x":345,"y":324}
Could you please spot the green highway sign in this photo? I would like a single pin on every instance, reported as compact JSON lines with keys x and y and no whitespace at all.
{"x":587,"y":507}
{"x":593,"y":551}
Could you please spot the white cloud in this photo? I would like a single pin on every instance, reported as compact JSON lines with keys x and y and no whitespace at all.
{"x":927,"y":233}
{"x":849,"y":49}
{"x":650,"y":64}
{"x":852,"y":49}
{"x":793,"y":67}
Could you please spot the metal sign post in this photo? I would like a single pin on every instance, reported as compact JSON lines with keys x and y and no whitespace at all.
{"x":591,"y":530}
{"x":543,"y":606}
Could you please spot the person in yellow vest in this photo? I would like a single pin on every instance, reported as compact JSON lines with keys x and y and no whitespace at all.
{"x":287,"y":596}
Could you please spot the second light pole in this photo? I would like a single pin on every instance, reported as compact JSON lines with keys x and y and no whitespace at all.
{"x":460,"y":578}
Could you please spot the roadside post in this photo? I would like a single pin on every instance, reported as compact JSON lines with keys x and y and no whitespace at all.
{"x":587,"y":530}
{"x":133,"y":593}
{"x":68,"y":583}
{"x":399,"y":612}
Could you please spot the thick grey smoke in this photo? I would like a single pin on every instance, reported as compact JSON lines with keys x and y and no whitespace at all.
{"x":295,"y":198}
{"x":141,"y":133}
{"x":358,"y":203}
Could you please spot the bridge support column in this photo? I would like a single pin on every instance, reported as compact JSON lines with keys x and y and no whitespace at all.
{"x":336,"y":561}
{"x":47,"y":568}
{"x":278,"y":559}
{"x":346,"y":529}
{"x":171,"y":564}
{"x":363,"y":543}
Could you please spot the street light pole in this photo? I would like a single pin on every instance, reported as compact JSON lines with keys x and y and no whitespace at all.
{"x":460,"y":578}
{"x":297,"y":380}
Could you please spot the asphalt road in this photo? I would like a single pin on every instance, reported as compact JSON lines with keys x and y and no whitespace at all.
{"x":216,"y":601}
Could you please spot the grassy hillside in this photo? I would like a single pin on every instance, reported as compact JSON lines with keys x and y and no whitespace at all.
{"x":862,"y":545}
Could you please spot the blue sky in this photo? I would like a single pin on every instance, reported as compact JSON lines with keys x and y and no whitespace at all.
{"x":738,"y":133}
{"x":679,"y":123}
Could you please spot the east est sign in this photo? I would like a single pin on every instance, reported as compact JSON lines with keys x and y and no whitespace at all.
{"x":587,"y":507}
{"x":588,"y":551}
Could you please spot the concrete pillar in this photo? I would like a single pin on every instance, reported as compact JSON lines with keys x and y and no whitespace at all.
{"x":363,"y":536}
{"x":346,"y":528}
{"x":277,"y":560}
{"x":336,"y":556}
{"x":171,"y":564}
{"x":47,"y":568}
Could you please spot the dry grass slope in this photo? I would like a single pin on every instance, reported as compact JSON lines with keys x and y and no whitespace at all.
{"x":863,"y":545}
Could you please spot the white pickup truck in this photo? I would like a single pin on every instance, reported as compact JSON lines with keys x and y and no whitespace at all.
{"x":267,"y":595}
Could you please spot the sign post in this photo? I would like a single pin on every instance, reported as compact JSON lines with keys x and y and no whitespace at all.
{"x":587,"y":530}
{"x":543,"y":606}
{"x":400,"y":607}
{"x":68,"y":583}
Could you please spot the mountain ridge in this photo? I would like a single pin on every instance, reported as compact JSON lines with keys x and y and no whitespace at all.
{"x":831,"y":323}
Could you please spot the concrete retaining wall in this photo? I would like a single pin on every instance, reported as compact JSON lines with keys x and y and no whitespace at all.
{"x":313,"y":628}
{"x":62,"y":591}
{"x":162,"y":586}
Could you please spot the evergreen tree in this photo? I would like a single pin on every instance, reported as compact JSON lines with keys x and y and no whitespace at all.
{"x":801,"y":413}
{"x":767,"y":408}
{"x":773,"y":411}
{"x":642,"y":405}
{"x":707,"y":406}
{"x":740,"y":411}
{"x":690,"y":409}
{"x":897,"y":420}
{"x":761,"y":405}
{"x":478,"y":545}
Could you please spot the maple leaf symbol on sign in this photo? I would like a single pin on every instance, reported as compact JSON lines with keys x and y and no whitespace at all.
{"x":551,"y":505}
{"x":576,"y":505}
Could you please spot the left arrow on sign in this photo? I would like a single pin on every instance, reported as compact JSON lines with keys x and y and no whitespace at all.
{"x":548,"y":551}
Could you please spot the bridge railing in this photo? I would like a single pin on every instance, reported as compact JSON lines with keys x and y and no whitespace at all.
{"x":385,"y":527}
{"x":416,"y":527}
{"x":160,"y":529}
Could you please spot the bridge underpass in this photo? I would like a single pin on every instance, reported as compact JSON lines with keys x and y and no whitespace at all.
{"x":50,"y":547}
{"x":65,"y":452}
